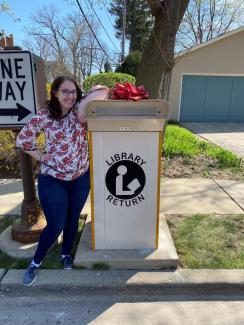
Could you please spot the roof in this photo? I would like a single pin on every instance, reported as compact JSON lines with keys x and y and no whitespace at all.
{"x":211,"y":41}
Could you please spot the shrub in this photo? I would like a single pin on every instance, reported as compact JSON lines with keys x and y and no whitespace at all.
{"x":9,"y":158}
{"x":48,"y":87}
{"x":131,"y":63}
{"x":107,"y":79}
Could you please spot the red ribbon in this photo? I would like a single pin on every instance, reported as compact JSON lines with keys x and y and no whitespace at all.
{"x":127,"y":91}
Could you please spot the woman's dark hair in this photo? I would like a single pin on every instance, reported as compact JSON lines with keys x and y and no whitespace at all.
{"x":53,"y":103}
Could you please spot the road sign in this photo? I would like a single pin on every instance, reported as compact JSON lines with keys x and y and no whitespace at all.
{"x":17,"y":92}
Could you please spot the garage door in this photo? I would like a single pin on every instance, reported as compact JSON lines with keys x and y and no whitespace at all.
{"x":212,"y":99}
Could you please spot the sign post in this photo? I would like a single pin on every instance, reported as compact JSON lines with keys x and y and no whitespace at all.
{"x":17,"y":106}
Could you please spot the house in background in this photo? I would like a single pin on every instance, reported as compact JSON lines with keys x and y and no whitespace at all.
{"x":6,"y":40}
{"x":207,"y":83}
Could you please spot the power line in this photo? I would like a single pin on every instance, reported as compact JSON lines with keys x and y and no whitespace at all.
{"x":104,"y":5}
{"x":124,"y":11}
{"x":94,"y":33}
{"x":102,"y":25}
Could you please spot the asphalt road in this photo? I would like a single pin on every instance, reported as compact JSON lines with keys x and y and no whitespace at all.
{"x":109,"y":310}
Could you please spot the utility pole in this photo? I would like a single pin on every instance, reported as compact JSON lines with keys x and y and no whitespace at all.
{"x":123,"y":32}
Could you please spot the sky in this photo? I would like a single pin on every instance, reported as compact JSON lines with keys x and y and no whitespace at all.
{"x":24,"y":9}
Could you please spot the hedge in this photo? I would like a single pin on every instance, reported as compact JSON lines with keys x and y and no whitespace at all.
{"x":108,"y":79}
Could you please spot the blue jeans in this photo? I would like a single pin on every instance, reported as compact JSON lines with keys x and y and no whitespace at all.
{"x":62,"y":202}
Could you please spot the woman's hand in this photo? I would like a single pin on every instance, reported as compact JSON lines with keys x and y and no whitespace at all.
{"x":99,"y":87}
{"x":97,"y":92}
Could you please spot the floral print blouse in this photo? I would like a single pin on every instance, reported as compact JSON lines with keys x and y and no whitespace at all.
{"x":65,"y":141}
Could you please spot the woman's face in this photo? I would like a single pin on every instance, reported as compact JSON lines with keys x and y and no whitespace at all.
{"x":66,"y":95}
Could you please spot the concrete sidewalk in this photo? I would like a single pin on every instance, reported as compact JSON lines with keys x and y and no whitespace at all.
{"x":190,"y":196}
{"x":122,"y":282}
{"x":178,"y":196}
{"x":11,"y":197}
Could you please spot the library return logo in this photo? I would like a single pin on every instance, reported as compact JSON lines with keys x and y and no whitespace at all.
{"x":125,"y":179}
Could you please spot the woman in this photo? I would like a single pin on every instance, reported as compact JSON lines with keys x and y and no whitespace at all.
{"x":63,"y":183}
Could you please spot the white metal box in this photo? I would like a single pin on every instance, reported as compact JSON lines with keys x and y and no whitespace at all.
{"x":125,"y":145}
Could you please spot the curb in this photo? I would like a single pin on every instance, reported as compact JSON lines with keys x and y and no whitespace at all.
{"x":120,"y":282}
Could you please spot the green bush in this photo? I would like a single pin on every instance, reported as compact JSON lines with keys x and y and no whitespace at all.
{"x":48,"y":87}
{"x":9,"y":158}
{"x":131,"y":63}
{"x":8,"y":155}
{"x":107,"y":79}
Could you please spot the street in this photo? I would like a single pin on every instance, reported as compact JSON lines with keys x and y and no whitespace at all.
{"x":119,"y":309}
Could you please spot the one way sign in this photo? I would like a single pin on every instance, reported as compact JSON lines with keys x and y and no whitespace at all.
{"x":17,"y":93}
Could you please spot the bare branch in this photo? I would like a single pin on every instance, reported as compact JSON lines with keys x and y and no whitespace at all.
{"x":214,"y":18}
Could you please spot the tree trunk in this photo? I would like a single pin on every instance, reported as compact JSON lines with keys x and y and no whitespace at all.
{"x":157,"y":60}
{"x":158,"y":57}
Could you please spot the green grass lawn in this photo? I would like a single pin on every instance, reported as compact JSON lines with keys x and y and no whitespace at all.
{"x":201,"y":241}
{"x":178,"y":142}
{"x":208,"y":241}
{"x":181,"y":142}
{"x":52,"y":260}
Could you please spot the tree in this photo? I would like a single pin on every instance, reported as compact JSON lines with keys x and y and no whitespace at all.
{"x":38,"y":46}
{"x":138,"y":21}
{"x":158,"y":56}
{"x":73,"y":47}
{"x":5,"y":8}
{"x":130,"y":64}
{"x":206,"y":19}
{"x":107,"y":67}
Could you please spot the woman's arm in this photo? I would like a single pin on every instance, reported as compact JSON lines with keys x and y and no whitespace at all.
{"x":38,"y":155}
{"x":26,"y":139}
{"x":97,"y":93}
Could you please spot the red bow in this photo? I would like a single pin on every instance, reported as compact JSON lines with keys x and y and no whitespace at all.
{"x":129,"y":92}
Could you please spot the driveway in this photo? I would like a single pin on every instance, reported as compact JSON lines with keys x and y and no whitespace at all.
{"x":227,"y":135}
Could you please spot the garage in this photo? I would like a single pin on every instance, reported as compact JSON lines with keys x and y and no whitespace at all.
{"x":207,"y":81}
{"x":212,"y":99}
